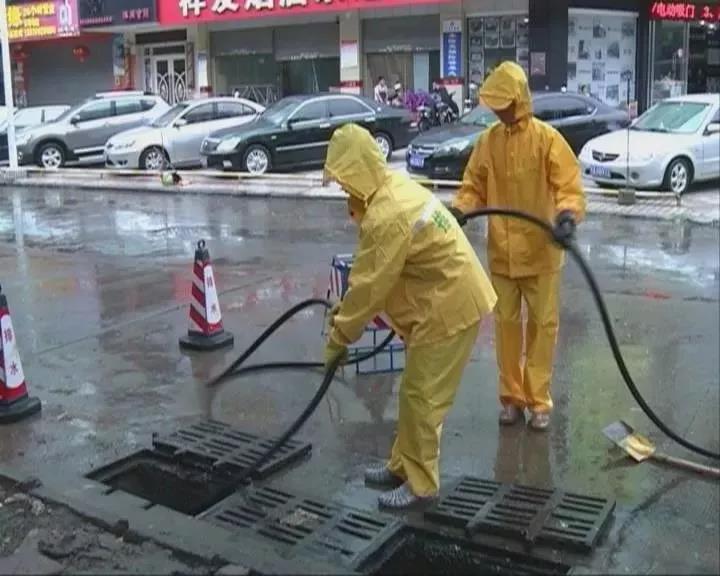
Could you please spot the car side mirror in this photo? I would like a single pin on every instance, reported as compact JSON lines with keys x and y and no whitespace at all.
{"x":712,"y":128}
{"x":290,"y":123}
{"x":180,"y":122}
{"x":74,"y":120}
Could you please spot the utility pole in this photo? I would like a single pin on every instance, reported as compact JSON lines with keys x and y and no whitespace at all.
{"x":8,"y":84}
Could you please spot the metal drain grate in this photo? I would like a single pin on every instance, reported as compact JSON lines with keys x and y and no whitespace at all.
{"x":227,"y":449}
{"x":534,"y":515}
{"x":295,"y":523}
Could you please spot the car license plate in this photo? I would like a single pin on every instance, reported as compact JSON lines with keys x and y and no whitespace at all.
{"x":600,"y":172}
{"x":417,"y":161}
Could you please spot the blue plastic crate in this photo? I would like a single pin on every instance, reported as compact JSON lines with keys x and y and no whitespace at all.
{"x":392,"y":358}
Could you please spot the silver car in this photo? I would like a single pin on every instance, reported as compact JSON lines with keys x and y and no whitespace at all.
{"x":26,"y":118}
{"x":672,"y":145}
{"x":175,"y":138}
{"x":80,"y":134}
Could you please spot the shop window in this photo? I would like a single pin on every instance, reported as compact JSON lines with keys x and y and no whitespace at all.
{"x":310,"y":112}
{"x":95,"y":111}
{"x":203,"y":113}
{"x":127,"y":106}
{"x":602,"y":48}
{"x":493,"y":40}
{"x":346,"y":107}
{"x":232,"y":110}
{"x":669,"y":63}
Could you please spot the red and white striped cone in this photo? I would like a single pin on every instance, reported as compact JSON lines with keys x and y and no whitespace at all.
{"x":206,"y":328}
{"x":15,"y":403}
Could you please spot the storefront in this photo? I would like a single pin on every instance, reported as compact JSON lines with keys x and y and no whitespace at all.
{"x":268,"y":63}
{"x":492,"y":39}
{"x":167,"y":64}
{"x":268,"y":49}
{"x":119,"y":18}
{"x":53,"y":63}
{"x":401,"y":49}
{"x":684,"y":49}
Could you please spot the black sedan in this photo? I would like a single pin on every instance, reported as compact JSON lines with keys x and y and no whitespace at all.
{"x":295,"y":132}
{"x":442,"y":153}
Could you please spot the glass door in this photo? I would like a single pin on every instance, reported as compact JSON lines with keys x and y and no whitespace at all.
{"x":169,"y":80}
{"x":669,"y":60}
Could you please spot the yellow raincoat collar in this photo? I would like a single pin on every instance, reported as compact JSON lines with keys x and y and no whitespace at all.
{"x":507,"y":84}
{"x":355,"y":162}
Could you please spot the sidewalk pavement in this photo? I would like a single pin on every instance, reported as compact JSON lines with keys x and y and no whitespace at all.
{"x":701,"y":206}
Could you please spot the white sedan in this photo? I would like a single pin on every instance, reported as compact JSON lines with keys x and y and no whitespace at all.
{"x":174,"y":139}
{"x":673,"y":144}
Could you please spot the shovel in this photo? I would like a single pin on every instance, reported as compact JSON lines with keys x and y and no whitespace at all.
{"x":640,"y":448}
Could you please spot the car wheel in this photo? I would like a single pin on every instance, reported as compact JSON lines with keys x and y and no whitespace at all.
{"x":424,"y":125}
{"x":154,"y":159}
{"x":678,"y":176}
{"x":385,"y":144}
{"x":256,"y":160}
{"x":51,"y":155}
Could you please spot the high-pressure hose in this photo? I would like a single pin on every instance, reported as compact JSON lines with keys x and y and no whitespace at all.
{"x":574,"y":251}
{"x":235,"y":369}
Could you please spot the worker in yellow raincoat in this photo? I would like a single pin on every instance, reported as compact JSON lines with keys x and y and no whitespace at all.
{"x":413,"y":263}
{"x":524,"y":164}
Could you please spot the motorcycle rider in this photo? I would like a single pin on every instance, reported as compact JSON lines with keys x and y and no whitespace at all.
{"x":440,"y":94}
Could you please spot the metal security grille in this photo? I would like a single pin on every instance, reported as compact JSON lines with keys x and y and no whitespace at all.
{"x":226,"y":449}
{"x":533,"y":515}
{"x":301,"y":525}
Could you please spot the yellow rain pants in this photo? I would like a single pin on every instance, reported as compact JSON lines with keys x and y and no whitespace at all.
{"x":528,"y":386}
{"x":430,"y":381}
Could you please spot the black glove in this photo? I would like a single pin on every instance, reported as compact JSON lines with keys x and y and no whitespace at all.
{"x":459,"y":215}
{"x":564,"y":230}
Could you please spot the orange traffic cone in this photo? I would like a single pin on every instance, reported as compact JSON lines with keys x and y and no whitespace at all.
{"x":15,"y":404}
{"x":206,"y":327}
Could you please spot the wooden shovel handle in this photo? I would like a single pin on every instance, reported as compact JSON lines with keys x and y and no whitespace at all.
{"x":687,"y":465}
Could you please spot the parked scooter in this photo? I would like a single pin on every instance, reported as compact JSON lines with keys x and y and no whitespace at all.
{"x":437,"y":114}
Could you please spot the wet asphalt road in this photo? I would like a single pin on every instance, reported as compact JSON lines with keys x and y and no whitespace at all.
{"x":98,"y":285}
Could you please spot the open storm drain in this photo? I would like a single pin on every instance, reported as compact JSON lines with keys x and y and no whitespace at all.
{"x":531,"y":515}
{"x":413,"y":551}
{"x":193,"y":468}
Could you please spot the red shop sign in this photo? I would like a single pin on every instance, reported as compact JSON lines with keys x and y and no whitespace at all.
{"x":685,"y":11}
{"x":188,"y":11}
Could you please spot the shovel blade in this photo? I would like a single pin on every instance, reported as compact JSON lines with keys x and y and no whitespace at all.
{"x":637,"y":446}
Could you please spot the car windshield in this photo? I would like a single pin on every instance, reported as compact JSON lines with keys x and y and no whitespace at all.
{"x":676,"y":117}
{"x":72,"y":110}
{"x":480,"y":116}
{"x":280,"y":110}
{"x":170,"y":115}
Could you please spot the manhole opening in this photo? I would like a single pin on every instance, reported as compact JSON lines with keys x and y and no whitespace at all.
{"x":160,"y":480}
{"x":413,"y":551}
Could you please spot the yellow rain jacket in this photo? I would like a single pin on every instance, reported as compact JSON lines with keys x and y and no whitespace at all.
{"x":527,"y":166}
{"x":413,"y":262}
